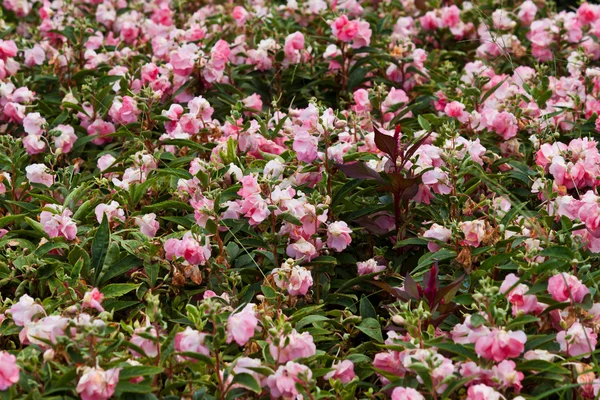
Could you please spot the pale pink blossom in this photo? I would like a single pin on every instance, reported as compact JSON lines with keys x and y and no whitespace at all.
{"x":344,"y":372}
{"x":370,"y":266}
{"x":9,"y":370}
{"x":148,"y":224}
{"x":295,"y":279}
{"x":23,"y":312}
{"x":566,"y":287}
{"x":474,"y":232}
{"x":98,"y":384}
{"x":338,"y":236}
{"x":292,"y":346}
{"x":39,"y":173}
{"x":282,"y":384}
{"x":190,"y":340}
{"x":242,"y":325}
{"x":483,"y":392}
{"x":93,"y":299}
{"x":113,"y":212}
{"x":500,"y":344}
{"x":402,"y":393}
{"x":149,"y":346}
{"x":577,"y":340}
{"x":58,"y":222}
{"x":437,"y":232}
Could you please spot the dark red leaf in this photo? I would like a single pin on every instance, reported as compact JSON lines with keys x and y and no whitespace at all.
{"x":359,"y":170}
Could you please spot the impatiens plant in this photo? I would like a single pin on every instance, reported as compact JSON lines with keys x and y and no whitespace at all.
{"x":302,"y":199}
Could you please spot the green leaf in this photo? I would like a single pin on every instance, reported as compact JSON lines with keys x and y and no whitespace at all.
{"x":248,"y":381}
{"x":100,"y":248}
{"x":39,"y":228}
{"x":541,"y":366}
{"x":366,"y":308}
{"x":179,"y":205}
{"x":10,"y":218}
{"x":311,"y":319}
{"x":140,"y":370}
{"x":128,"y":387}
{"x":120,"y":267}
{"x":356,"y":77}
{"x":286,"y":216}
{"x":424,"y":123}
{"x":477,"y":320}
{"x":199,"y":357}
{"x":371,"y":328}
{"x":118,"y":289}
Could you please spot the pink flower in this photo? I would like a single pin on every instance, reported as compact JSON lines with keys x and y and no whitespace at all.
{"x":189,"y":248}
{"x":102,"y":129}
{"x":527,"y":11}
{"x":302,"y":249}
{"x":9,"y":370}
{"x":58,"y":222}
{"x":467,"y":333}
{"x":282,"y":384}
{"x":338,"y":236}
{"x":184,"y":59}
{"x":240,"y":15}
{"x":363,"y":37}
{"x":124,"y":111}
{"x":23,"y":311}
{"x":430,"y":21}
{"x":293,"y":278}
{"x":305,"y":146}
{"x":566,"y":287}
{"x":474,"y":232}
{"x":33,"y":123}
{"x":294,"y":44}
{"x":190,"y":340}
{"x":44,"y":330}
{"x":437,"y":232}
{"x":200,"y":107}
{"x":105,"y":162}
{"x":520,"y":301}
{"x":93,"y":299}
{"x":254,"y":102}
{"x":482,"y":392}
{"x":112,"y":210}
{"x":506,"y":374}
{"x":402,"y":393}
{"x":220,"y":54}
{"x":38,"y":173}
{"x":34,"y":56}
{"x":588,"y":13}
{"x":65,"y":141}
{"x":369,"y":267}
{"x":97,"y":384}
{"x":500,"y":344}
{"x":503,"y":123}
{"x":361,"y":99}
{"x":149,"y":346}
{"x":450,"y":16}
{"x":34,"y":144}
{"x":438,"y":180}
{"x":457,"y":110}
{"x":344,"y":372}
{"x":148,"y":224}
{"x":293,"y":346}
{"x":241,"y":325}
{"x":577,"y":340}
{"x":344,"y":29}
{"x":8,"y":48}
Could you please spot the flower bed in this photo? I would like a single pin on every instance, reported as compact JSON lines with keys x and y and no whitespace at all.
{"x":304,"y":200}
